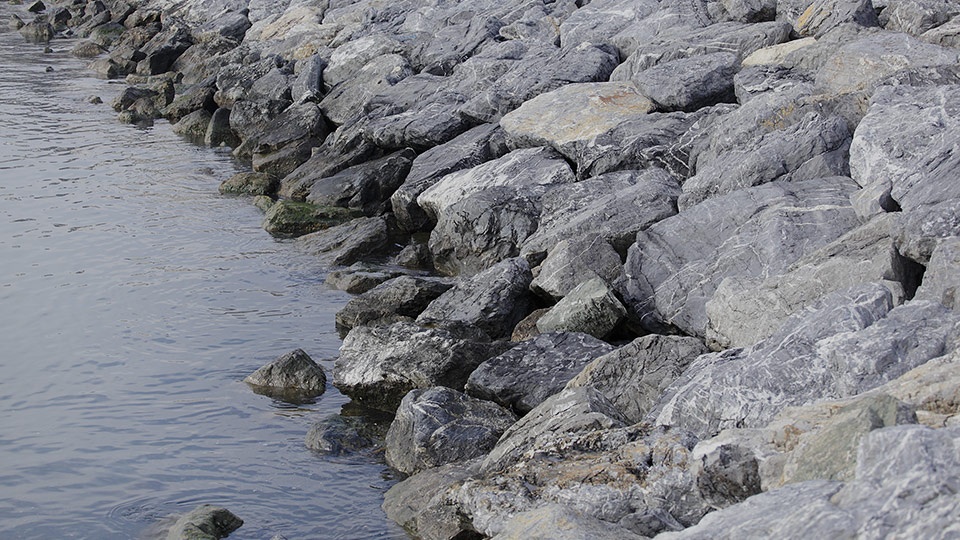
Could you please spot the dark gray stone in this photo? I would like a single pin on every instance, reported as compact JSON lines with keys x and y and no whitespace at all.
{"x":362,"y":239}
{"x":688,"y":84}
{"x":294,"y":371}
{"x":591,"y":308}
{"x":366,"y":187}
{"x":404,"y":296}
{"x":205,"y":522}
{"x":574,"y":261}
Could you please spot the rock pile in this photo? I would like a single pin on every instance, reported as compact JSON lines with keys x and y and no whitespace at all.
{"x":723,"y":234}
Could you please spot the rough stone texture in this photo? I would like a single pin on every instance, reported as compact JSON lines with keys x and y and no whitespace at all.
{"x":349,"y":97}
{"x":634,"y":376}
{"x":286,"y":140}
{"x":687,"y":84}
{"x":294,"y":370}
{"x":437,"y":426}
{"x":533,"y":370}
{"x":574,"y":261}
{"x":194,"y":125}
{"x":494,"y":300}
{"x":366,"y":187}
{"x":478,"y":145}
{"x":591,"y":308}
{"x":602,"y":20}
{"x":615,"y":205}
{"x":378,"y":365}
{"x":557,"y":522}
{"x":941,"y":281}
{"x":359,"y":278}
{"x":946,"y":35}
{"x":362,"y":239}
{"x":676,"y":265}
{"x":745,"y":310}
{"x":919,"y":232}
{"x":250,"y":183}
{"x":205,"y":522}
{"x":290,"y":218}
{"x":915,"y":17}
{"x":404,"y":296}
{"x":421,"y":503}
{"x":339,"y":435}
{"x":822,"y":16}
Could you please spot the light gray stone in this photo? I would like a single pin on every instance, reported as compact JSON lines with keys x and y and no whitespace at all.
{"x":205,"y":522}
{"x":688,"y":84}
{"x":941,"y":281}
{"x":574,"y":261}
{"x":915,"y":17}
{"x":557,"y":522}
{"x":403,"y":296}
{"x":350,"y":97}
{"x":591,"y":308}
{"x":421,"y":504}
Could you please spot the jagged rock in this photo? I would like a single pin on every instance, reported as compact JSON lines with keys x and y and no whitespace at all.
{"x":533,"y":370}
{"x":494,"y":300}
{"x":570,"y":116}
{"x":634,"y":376}
{"x":590,"y":308}
{"x":946,"y":35}
{"x":194,"y":125}
{"x":366,"y":187}
{"x":857,"y":66}
{"x":287,"y":139}
{"x":205,"y":522}
{"x":604,"y":20}
{"x":293,"y":372}
{"x":230,"y":24}
{"x":235,"y":80}
{"x":378,"y":365}
{"x":404,"y":296}
{"x":421,"y":504}
{"x":250,"y":119}
{"x":87,"y":49}
{"x":557,"y":522}
{"x":686,"y":42}
{"x":438,"y":425}
{"x":574,"y":261}
{"x":349,"y":97}
{"x":535,"y":74}
{"x":250,"y":183}
{"x":37,"y":7}
{"x":748,"y":11}
{"x":688,"y":84}
{"x":615,"y":205}
{"x":359,"y":278}
{"x":346,"y":242}
{"x":915,"y":17}
{"x":821,"y":16}
{"x":291,"y":218}
{"x":38,"y":30}
{"x":745,"y":310}
{"x":676,"y":265}
{"x":129,"y":95}
{"x":196,"y":98}
{"x":940,"y":281}
{"x":766,"y":79}
{"x":815,"y":147}
{"x":219,"y":132}
{"x":348,"y":59}
{"x":163,"y":49}
{"x":527,"y":327}
{"x":308,"y":84}
{"x":339,"y":435}
{"x":476,"y":146}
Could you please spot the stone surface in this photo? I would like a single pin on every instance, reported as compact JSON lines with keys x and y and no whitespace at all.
{"x":290,"y":218}
{"x":557,"y":522}
{"x":378,"y":365}
{"x":250,"y":183}
{"x":941,"y":281}
{"x":421,"y":504}
{"x":574,"y":261}
{"x":915,"y":17}
{"x":439,"y":425}
{"x":591,"y":308}
{"x":205,"y":522}
{"x":634,"y":376}
{"x":294,"y":371}
{"x":362,"y":239}
{"x":494,"y":300}
{"x":404,"y":296}
{"x":533,"y":370}
{"x":366,"y":187}
{"x":687,"y":84}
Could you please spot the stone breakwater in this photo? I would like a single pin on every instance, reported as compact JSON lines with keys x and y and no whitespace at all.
{"x":698,"y":259}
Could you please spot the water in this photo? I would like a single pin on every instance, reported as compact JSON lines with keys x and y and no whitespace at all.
{"x":133,"y":300}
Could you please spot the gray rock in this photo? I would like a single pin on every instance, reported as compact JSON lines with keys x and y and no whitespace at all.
{"x":351,"y":96}
{"x":821,"y":16}
{"x":591,"y":308}
{"x":940,"y":281}
{"x":193,"y":125}
{"x":229,"y":24}
{"x":421,"y":504}
{"x":422,"y":127}
{"x":366,"y":187}
{"x":250,"y":183}
{"x":195,"y":98}
{"x":205,"y":522}
{"x":748,"y":11}
{"x":359,"y":277}
{"x":745,"y":310}
{"x":38,"y":30}
{"x":87,"y":49}
{"x":815,"y":147}
{"x":438,"y":425}
{"x":634,"y":376}
{"x":494,"y":300}
{"x":362,"y":239}
{"x":404,"y":296}
{"x":286,"y":141}
{"x":348,"y":59}
{"x":249,"y":120}
{"x":476,"y":146}
{"x":557,"y":522}
{"x":290,"y":218}
{"x":219,"y":132}
{"x":308,"y":84}
{"x":601,"y":21}
{"x":378,"y":365}
{"x":574,"y":261}
{"x":687,"y":84}
{"x":294,"y":371}
{"x":946,"y":35}
{"x":530,"y":372}
{"x":339,"y":435}
{"x":726,"y":473}
{"x":676,"y":265}
{"x":915,"y":17}
{"x":615,"y":205}
{"x":919,"y":231}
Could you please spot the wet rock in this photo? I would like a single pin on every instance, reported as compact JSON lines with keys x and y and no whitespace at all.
{"x":673,"y":270}
{"x":205,"y":522}
{"x":557,"y":522}
{"x":591,"y":308}
{"x":688,"y":84}
{"x":421,"y":504}
{"x":438,"y":425}
{"x":634,"y":376}
{"x":366,"y":187}
{"x":404,"y":296}
{"x":36,"y":7}
{"x":87,"y":49}
{"x":38,"y":30}
{"x":615,"y":205}
{"x":188,"y":100}
{"x":219,"y":133}
{"x":745,"y":310}
{"x":474,"y":147}
{"x":193,"y":125}
{"x":494,"y":300}
{"x":359,"y":278}
{"x":378,"y":365}
{"x":294,"y":372}
{"x":353,"y":430}
{"x":348,"y":241}
{"x":534,"y":370}
{"x":574,"y":261}
{"x":350,"y":97}
{"x":291,"y":218}
{"x":250,"y":183}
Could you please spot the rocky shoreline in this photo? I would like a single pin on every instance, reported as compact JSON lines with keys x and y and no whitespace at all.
{"x":623,"y":268}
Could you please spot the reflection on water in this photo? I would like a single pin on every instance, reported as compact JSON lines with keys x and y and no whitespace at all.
{"x":133,"y":301}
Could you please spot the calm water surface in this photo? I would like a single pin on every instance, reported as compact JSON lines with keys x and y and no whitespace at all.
{"x":133,"y":300}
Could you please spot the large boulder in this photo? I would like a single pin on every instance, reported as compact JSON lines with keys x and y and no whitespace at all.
{"x":436,"y":426}
{"x":366,"y":187}
{"x":688,"y":84}
{"x":591,"y":308}
{"x":292,"y":372}
{"x":558,"y":522}
{"x":533,"y":370}
{"x":403,"y":296}
{"x":362,"y":239}
{"x":574,"y":261}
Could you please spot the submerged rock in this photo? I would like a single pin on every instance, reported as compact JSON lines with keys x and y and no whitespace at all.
{"x":206,"y":522}
{"x":294,"y":372}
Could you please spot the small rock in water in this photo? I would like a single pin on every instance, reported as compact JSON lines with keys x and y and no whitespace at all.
{"x":48,"y":50}
{"x":37,"y":7}
{"x":94,"y":100}
{"x":49,"y":69}
{"x":293,"y":373}
{"x":205,"y":522}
